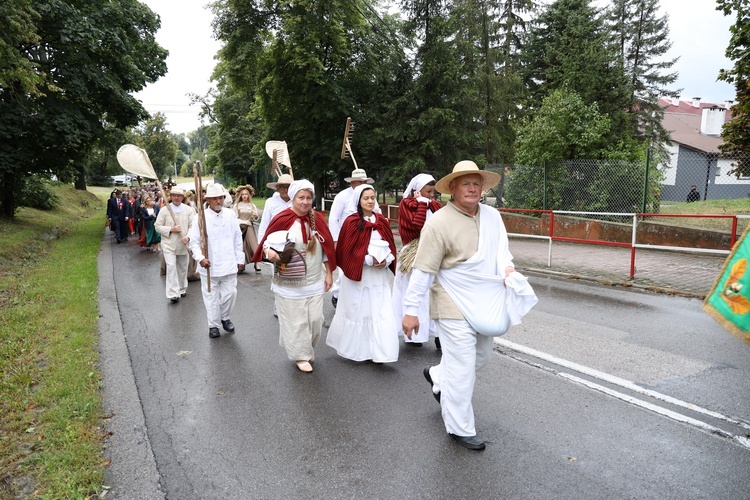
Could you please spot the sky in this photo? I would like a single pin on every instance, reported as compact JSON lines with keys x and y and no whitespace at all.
{"x":699,"y":34}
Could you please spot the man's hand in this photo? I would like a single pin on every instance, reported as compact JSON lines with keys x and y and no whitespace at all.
{"x":205,"y":263}
{"x":240,"y":267}
{"x":176,"y":229}
{"x":410,"y":324}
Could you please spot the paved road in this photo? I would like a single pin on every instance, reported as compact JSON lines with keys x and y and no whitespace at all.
{"x":232,"y":418}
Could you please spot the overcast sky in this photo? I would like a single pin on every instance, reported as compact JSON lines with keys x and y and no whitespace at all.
{"x":699,"y":33}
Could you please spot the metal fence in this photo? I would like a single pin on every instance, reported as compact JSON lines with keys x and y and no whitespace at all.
{"x":621,"y":186}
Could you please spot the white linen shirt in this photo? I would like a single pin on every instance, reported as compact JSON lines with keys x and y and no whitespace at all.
{"x":224,"y":242}
{"x":274,"y":205}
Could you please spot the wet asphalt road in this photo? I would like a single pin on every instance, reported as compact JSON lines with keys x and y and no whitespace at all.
{"x":194,"y":417}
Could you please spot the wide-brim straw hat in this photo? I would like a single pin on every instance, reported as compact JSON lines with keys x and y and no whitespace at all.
{"x":215,"y":190}
{"x":359,"y":174}
{"x":283,"y":179}
{"x":177,"y":191}
{"x":468,"y":167}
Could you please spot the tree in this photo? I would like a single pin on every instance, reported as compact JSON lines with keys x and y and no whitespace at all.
{"x":154,"y":137}
{"x":736,"y":133}
{"x":18,"y":34}
{"x":87,"y":59}
{"x":642,"y":40}
{"x":569,"y":46}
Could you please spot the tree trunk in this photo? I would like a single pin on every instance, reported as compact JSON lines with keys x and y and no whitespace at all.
{"x":80,"y":183}
{"x":8,"y":194}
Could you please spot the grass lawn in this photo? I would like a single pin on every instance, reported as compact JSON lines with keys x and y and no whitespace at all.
{"x":50,"y":400}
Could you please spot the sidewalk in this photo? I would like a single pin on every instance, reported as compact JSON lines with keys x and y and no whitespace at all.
{"x":680,"y":273}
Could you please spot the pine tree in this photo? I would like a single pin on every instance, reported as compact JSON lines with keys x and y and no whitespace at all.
{"x":642,"y":40}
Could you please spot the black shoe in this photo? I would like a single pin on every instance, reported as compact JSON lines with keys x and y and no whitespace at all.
{"x":470,"y":442}
{"x":426,"y":373}
{"x":437,"y":343}
{"x":213,"y":332}
{"x":334,"y":301}
{"x":414,"y":344}
{"x":257,"y":270}
{"x":183,"y":294}
{"x":174,"y":299}
{"x":228,"y":326}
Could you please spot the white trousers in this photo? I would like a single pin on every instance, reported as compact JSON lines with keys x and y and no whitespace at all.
{"x":220,"y":302}
{"x":464,"y":353}
{"x":177,"y":282}
{"x":336,"y":286}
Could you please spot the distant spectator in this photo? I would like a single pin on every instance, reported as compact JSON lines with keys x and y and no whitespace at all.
{"x":693,"y":195}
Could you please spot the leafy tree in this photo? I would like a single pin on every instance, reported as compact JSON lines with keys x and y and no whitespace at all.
{"x":87,"y":60}
{"x":158,"y":142}
{"x":18,"y":35}
{"x":736,"y":133}
{"x":642,"y":40}
{"x":569,"y":46}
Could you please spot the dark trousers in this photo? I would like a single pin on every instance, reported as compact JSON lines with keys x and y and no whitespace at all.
{"x":120,"y":227}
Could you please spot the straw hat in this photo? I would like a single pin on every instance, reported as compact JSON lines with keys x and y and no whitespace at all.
{"x":359,"y":174}
{"x":468,"y":167}
{"x":284,"y":179}
{"x":215,"y":190}
{"x":177,"y":191}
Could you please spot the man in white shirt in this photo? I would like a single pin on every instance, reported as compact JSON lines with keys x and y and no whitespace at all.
{"x":225,"y":258}
{"x":275,"y":203}
{"x":448,"y":240}
{"x":338,"y":214}
{"x":174,"y":239}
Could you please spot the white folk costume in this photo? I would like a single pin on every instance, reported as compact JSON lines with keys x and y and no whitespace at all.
{"x":450,"y":239}
{"x":175,"y":252}
{"x":413,"y":212}
{"x":299,"y":285}
{"x":273,"y":206}
{"x":225,"y":254}
{"x":363,"y":327}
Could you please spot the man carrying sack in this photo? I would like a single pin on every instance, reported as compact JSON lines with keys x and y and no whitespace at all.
{"x":463,"y":237}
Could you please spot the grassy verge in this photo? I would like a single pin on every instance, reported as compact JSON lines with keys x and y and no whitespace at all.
{"x":50,"y":401}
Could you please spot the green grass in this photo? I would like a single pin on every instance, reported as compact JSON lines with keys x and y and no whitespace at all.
{"x":739,"y":206}
{"x":50,"y":402}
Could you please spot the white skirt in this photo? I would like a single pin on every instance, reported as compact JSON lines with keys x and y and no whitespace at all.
{"x":363,"y":327}
{"x":426,"y":325}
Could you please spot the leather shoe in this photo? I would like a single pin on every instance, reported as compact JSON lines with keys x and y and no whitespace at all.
{"x":174,"y":299}
{"x":183,"y":294}
{"x":228,"y":326}
{"x":469,"y":442}
{"x":426,"y":373}
{"x":213,"y":332}
{"x":437,"y":344}
{"x":334,"y":301}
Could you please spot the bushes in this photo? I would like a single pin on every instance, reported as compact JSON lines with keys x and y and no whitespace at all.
{"x":36,"y":191}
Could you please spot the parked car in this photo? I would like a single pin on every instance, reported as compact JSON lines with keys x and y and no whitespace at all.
{"x":121,"y":180}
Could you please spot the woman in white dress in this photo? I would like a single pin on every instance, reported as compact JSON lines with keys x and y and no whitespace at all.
{"x":415,"y":209}
{"x":299,"y":282}
{"x":364,"y":327}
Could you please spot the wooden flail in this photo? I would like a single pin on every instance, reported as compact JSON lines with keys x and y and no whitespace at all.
{"x":197,"y":171}
{"x":346,"y":148}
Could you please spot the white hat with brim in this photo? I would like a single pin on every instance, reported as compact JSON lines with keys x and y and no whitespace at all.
{"x":177,"y":191}
{"x":468,"y":167}
{"x":215,"y":190}
{"x":359,"y":174}
{"x":284,"y":179}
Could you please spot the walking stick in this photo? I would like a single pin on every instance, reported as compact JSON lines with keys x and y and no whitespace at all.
{"x":201,"y":217}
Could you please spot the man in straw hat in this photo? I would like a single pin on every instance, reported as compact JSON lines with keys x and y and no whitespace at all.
{"x":448,"y":240}
{"x":225,"y":258}
{"x":275,"y":203}
{"x":338,"y":214}
{"x":174,"y":240}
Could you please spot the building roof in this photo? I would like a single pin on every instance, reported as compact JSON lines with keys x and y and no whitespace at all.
{"x":683,"y":121}
{"x":685,"y":129}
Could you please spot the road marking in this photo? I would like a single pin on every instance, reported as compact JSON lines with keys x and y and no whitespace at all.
{"x":627,"y":384}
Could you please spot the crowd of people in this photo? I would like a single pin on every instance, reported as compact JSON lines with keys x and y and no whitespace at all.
{"x":454,"y":260}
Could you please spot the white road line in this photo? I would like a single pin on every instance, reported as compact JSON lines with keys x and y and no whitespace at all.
{"x":627,"y":384}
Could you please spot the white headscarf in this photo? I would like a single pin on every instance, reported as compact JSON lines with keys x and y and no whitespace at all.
{"x":416,"y":184}
{"x":351,"y":207}
{"x":295,"y":186}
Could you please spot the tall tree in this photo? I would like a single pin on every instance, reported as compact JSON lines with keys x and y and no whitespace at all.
{"x":736,"y":133}
{"x":569,"y":46}
{"x":642,"y":40}
{"x":90,"y":56}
